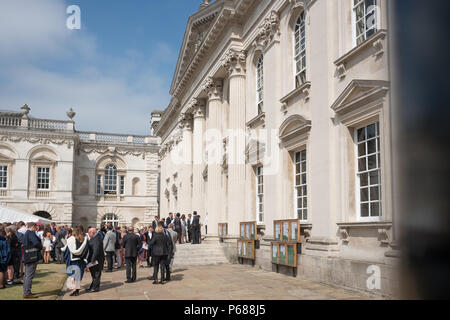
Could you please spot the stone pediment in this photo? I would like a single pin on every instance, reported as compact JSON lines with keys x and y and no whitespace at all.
{"x":44,"y":159}
{"x":198,"y":27}
{"x":294,"y":131}
{"x":359,"y":93}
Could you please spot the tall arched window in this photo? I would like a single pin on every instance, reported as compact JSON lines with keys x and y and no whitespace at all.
{"x":300,"y":50}
{"x":111,"y":179}
{"x":260,"y":83}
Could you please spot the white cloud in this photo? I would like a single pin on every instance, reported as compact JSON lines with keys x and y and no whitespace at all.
{"x":108,"y":93}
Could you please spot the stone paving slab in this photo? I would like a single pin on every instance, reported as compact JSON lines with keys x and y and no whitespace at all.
{"x":221,"y":282}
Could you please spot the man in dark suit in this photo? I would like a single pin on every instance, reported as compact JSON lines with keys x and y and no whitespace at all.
{"x":195,"y":229}
{"x":97,"y":257}
{"x":189,"y":227}
{"x":132,"y":245}
{"x":155,"y":223}
{"x":169,"y":220}
{"x":59,"y":244}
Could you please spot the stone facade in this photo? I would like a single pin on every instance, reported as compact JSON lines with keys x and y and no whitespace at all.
{"x":281,"y":110}
{"x":57,"y":172}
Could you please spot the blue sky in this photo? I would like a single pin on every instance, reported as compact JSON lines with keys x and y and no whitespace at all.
{"x":113,"y":72}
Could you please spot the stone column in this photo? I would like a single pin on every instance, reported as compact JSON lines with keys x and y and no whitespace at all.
{"x":185,"y":197}
{"x":198,"y":165}
{"x":234,"y":62}
{"x":214,"y":148}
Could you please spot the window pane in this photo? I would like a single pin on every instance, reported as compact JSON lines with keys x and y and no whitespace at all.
{"x":371,"y":131}
{"x":361,"y":149}
{"x":363,"y":179}
{"x":372,"y":146}
{"x":361,"y":134}
{"x":374,"y":193}
{"x":359,"y":12}
{"x":364,"y":194}
{"x":375,"y":210}
{"x":303,"y":178}
{"x":372,"y":162}
{"x":374,"y":177}
{"x":365,"y":210}
{"x":362,"y":164}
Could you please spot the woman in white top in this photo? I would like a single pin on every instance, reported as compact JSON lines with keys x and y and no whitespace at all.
{"x":47,"y":246}
{"x":77,"y":261}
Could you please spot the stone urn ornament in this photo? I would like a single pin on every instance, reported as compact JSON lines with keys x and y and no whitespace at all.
{"x":25,"y":110}
{"x":71,"y":114}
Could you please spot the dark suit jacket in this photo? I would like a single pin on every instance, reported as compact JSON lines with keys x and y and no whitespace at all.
{"x":168,"y":221}
{"x":96,"y":252}
{"x":188,"y":223}
{"x":160,"y":244}
{"x":132,"y":244}
{"x":196,"y":222}
{"x":154,"y":224}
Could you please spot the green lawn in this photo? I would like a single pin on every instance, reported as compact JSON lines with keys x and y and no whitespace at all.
{"x":47,"y":284}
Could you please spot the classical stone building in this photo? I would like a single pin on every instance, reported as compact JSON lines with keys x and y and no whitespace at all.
{"x":281,"y":110}
{"x":49,"y":169}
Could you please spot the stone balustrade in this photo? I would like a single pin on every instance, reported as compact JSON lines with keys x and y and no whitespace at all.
{"x":115,"y":138}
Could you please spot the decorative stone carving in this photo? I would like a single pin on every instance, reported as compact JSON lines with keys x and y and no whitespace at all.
{"x":269,"y":30}
{"x":234,"y":62}
{"x":38,"y":140}
{"x":345,"y":235}
{"x":214,"y":88}
{"x":384,"y":235}
{"x":199,"y":109}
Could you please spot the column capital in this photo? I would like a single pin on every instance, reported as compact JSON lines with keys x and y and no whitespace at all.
{"x":185,"y":121}
{"x":234,"y":62}
{"x":214,"y":88}
{"x":199,"y":109}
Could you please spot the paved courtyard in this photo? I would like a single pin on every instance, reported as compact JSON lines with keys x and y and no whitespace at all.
{"x":220,"y":282}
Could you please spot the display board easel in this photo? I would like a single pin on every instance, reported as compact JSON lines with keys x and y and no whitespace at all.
{"x":247,"y":242}
{"x":285,"y":248}
{"x":223,"y":231}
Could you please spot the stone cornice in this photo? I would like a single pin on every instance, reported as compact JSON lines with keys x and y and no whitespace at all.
{"x":377,"y":42}
{"x":181,"y":78}
{"x":35,"y":137}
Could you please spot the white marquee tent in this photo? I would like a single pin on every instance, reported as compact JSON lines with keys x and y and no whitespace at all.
{"x":11,"y":215}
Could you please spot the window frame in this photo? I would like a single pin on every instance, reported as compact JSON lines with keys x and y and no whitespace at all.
{"x":259,"y":199}
{"x":111,"y":218}
{"x":301,"y":185}
{"x":364,"y":36}
{"x":98,"y":187}
{"x":260,"y":83}
{"x":122,"y":184}
{"x":5,"y":178}
{"x":48,"y":169}
{"x":110,"y":180}
{"x":301,"y":17}
{"x":357,"y":173}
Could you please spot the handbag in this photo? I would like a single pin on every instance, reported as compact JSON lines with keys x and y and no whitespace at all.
{"x":30,"y":255}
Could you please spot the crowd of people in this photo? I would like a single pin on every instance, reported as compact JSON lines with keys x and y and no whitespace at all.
{"x":24,"y":246}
